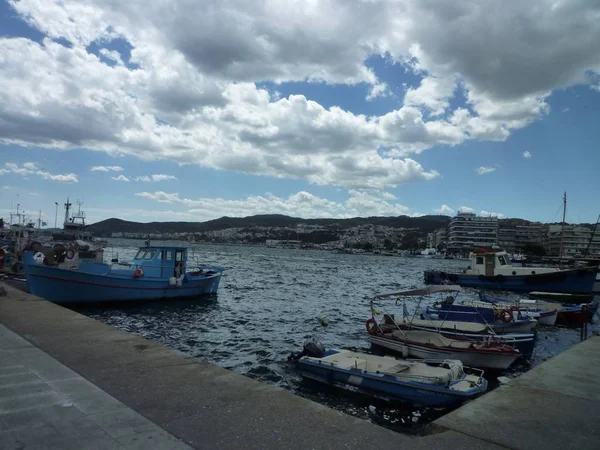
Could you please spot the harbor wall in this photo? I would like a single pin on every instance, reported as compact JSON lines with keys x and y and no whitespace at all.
{"x":198,"y":402}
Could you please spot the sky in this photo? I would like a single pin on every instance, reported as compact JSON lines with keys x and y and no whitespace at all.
{"x":197,"y":109}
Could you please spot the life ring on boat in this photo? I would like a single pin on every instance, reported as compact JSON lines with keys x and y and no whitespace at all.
{"x":138,"y":273}
{"x":505,"y":315}
{"x":371,"y":325}
{"x":70,"y":254}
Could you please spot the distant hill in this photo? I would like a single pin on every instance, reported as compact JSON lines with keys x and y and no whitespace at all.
{"x":108,"y":226}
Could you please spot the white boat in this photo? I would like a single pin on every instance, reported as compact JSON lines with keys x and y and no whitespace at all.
{"x":429,"y":344}
{"x":488,"y":354}
{"x":519,"y":308}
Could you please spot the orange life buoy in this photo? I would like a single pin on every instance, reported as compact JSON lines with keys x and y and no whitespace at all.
{"x":506,"y":315}
{"x":138,"y":273}
{"x":371,"y":325}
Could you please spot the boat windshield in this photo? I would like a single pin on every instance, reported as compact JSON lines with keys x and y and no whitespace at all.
{"x":502,"y":260}
{"x":145,"y":254}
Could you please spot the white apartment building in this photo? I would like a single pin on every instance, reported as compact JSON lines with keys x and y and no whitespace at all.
{"x":575,"y":240}
{"x":468,"y":231}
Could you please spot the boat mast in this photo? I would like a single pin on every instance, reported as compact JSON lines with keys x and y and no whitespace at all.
{"x":591,"y":237}
{"x":67,"y":208}
{"x":562,"y":229}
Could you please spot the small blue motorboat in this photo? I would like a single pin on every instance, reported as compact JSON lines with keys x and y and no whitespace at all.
{"x":155,"y":273}
{"x":501,"y":321}
{"x":422,"y":382}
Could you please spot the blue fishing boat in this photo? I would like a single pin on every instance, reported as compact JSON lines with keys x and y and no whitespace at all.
{"x":501,"y":321}
{"x":155,"y":273}
{"x":424,"y":382}
{"x":493,"y":270}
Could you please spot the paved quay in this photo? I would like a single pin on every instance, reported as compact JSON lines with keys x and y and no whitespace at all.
{"x":168,"y":399}
{"x":553,"y":406}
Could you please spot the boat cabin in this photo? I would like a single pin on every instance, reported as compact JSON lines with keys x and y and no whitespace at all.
{"x":492,"y":263}
{"x":161,"y":261}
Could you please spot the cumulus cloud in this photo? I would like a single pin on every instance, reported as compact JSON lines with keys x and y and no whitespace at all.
{"x":121,"y":178}
{"x":155,"y":177}
{"x":527,"y":154}
{"x":483,"y":170}
{"x":491,"y":214}
{"x":188,"y":92}
{"x":466,"y":209}
{"x":30,"y":168}
{"x":106,"y":169}
{"x":302,"y":204}
{"x":445,"y":210}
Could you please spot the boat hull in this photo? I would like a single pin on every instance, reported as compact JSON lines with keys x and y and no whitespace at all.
{"x":481,"y":360}
{"x":382,"y":387}
{"x":524,"y":342}
{"x":576,"y":281}
{"x":479,"y":315}
{"x":69,"y":286}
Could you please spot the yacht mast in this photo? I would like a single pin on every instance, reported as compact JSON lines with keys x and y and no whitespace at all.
{"x":562,"y":229}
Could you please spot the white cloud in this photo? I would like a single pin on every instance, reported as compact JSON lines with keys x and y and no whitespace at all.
{"x":361,"y":203}
{"x":188,"y":94}
{"x":378,"y":90}
{"x":483,"y":170}
{"x":155,"y":177}
{"x":491,"y":214}
{"x":121,"y":178}
{"x":30,"y":168}
{"x":466,"y":209}
{"x":527,"y":155}
{"x":106,"y":169}
{"x":445,"y":210}
{"x":62,"y":178}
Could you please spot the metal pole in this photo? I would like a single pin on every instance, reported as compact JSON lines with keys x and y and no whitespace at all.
{"x":562,"y":229}
{"x":56,"y":214}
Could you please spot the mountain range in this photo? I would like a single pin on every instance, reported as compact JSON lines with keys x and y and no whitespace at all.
{"x":114,"y":225}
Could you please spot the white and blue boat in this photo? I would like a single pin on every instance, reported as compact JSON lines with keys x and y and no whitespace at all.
{"x":501,"y":321}
{"x":424,"y":382}
{"x":155,"y":273}
{"x":491,"y":269}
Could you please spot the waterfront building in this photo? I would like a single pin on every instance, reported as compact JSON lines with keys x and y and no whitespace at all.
{"x":468,"y":230}
{"x":437,"y":238}
{"x":574,"y":240}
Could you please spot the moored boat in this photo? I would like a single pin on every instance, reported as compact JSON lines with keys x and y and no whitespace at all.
{"x":493,"y":270}
{"x":155,"y":273}
{"x":486,"y":354}
{"x":524,"y":342}
{"x":519,"y":308}
{"x":569,"y":315}
{"x":501,"y":320}
{"x":425,"y":383}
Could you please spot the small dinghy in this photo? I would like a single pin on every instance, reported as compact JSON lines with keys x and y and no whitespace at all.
{"x":423,"y":382}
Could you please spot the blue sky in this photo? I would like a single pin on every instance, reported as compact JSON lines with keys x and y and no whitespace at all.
{"x":145,"y":118}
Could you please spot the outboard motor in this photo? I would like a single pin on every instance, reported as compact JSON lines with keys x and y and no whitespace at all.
{"x":311,"y":348}
{"x":314,"y":348}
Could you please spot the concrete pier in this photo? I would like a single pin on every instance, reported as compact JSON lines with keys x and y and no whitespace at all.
{"x":554,"y":406}
{"x":78,"y":364}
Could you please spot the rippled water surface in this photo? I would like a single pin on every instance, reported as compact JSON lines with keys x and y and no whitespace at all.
{"x":271,"y":300}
